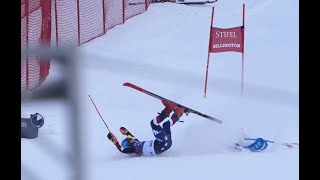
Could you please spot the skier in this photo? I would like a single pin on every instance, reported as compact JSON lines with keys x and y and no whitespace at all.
{"x":163,"y":140}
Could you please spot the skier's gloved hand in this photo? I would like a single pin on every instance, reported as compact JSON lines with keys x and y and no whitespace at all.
{"x":112,"y":138}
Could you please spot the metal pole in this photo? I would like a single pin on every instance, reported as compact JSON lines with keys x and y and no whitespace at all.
{"x":75,"y":118}
{"x":208,"y":58}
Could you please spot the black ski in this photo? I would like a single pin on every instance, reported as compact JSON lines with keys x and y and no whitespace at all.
{"x":188,"y":110}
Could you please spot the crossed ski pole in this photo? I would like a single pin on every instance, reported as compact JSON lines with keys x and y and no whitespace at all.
{"x":99,"y":113}
{"x":110,"y":135}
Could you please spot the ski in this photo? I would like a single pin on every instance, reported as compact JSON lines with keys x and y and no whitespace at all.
{"x":291,"y":145}
{"x":188,"y":110}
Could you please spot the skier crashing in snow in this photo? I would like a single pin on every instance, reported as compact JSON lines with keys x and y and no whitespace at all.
{"x":163,"y":141}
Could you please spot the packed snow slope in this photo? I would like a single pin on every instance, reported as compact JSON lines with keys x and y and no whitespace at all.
{"x":165,"y":51}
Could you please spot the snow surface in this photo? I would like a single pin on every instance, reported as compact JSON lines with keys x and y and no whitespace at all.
{"x":165,"y":51}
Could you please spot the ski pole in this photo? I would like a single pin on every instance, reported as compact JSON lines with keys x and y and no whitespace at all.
{"x":264,"y":139}
{"x":99,"y":113}
{"x":250,"y":139}
{"x":284,"y":143}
